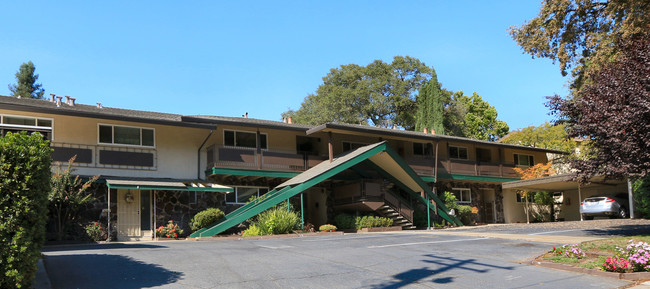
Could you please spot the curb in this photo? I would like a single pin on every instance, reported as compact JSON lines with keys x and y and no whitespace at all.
{"x":42,"y":280}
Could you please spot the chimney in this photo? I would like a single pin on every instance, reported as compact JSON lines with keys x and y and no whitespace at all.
{"x":99,"y":105}
{"x":433,"y":131}
{"x":425,"y":130}
{"x":58,"y":101}
{"x":289,"y":120}
{"x":52,"y":97}
{"x":69,"y":100}
{"x":246,"y":115}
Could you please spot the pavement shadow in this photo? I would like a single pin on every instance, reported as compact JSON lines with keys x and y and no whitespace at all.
{"x":106,"y":271}
{"x":104,"y":246}
{"x":622,"y":230}
{"x":442,"y":264}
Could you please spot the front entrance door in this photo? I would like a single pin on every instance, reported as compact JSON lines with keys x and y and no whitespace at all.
{"x":128,"y":215}
{"x":488,"y":197}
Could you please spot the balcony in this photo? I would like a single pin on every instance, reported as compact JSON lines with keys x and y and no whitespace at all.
{"x":425,"y":166}
{"x":250,"y":158}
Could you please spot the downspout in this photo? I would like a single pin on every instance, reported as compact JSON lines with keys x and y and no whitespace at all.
{"x":198,"y":156}
{"x":108,"y":215}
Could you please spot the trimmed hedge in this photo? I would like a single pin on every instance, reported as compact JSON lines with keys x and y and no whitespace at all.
{"x":24,"y":186}
{"x":345,"y":221}
{"x":205,"y":218}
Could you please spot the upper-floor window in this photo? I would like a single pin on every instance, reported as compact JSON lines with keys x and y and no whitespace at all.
{"x":348,"y":146}
{"x":243,"y":139}
{"x":456,"y":152}
{"x":462,"y":195}
{"x":126,"y":135}
{"x":524,"y":160}
{"x":242,"y":195}
{"x":12,"y":123}
{"x":422,"y":149}
{"x":483,"y":155}
{"x":307,"y":145}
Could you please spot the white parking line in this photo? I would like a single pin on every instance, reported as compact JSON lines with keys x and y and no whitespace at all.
{"x":343,"y":238}
{"x":275,"y":247}
{"x":421,"y":243}
{"x":553,"y":232}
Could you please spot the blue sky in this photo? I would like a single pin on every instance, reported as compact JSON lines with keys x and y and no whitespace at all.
{"x":228,"y":58}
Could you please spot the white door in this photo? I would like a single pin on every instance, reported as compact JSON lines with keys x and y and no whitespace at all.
{"x":128,"y":215}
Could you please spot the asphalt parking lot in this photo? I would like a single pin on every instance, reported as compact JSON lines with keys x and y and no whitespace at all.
{"x":384,"y":260}
{"x":595,"y":228}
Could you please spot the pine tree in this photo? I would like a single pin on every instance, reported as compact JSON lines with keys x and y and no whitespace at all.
{"x":27,"y":86}
{"x":430,"y":107}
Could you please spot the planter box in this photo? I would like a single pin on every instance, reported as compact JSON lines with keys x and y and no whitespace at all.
{"x":380,"y":229}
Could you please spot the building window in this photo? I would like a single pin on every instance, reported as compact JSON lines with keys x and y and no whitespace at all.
{"x":522,"y":199}
{"x":242,"y":195}
{"x":15,"y":124}
{"x":243,"y":139}
{"x":524,"y":160}
{"x":348,"y":146}
{"x":457,"y":152}
{"x":462,"y":195}
{"x":483,"y":155}
{"x":422,"y":149}
{"x":126,"y":135}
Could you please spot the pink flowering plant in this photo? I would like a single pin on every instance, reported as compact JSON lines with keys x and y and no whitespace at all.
{"x":634,"y":257}
{"x":569,"y":251}
{"x":172,"y":230}
{"x":96,"y":231}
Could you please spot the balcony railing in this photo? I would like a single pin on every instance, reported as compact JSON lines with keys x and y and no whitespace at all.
{"x":250,"y":158}
{"x":425,"y":166}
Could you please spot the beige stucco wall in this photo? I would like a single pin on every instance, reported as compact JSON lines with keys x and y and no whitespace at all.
{"x":175,"y":147}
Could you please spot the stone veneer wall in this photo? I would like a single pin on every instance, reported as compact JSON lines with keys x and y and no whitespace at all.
{"x":176,"y":206}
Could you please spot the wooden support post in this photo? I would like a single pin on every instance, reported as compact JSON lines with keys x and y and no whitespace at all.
{"x":428,"y":213}
{"x":579,"y":201}
{"x":330,"y":146}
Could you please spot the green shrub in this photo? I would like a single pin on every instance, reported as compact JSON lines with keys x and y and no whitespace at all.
{"x":372,"y":222}
{"x":277,"y":221}
{"x":450,"y":200}
{"x":465,"y":214}
{"x":642,"y":197}
{"x":344,"y":221}
{"x":96,"y":232}
{"x":327,"y":227}
{"x":205,"y":218}
{"x":253,"y":230}
{"x":24,"y":186}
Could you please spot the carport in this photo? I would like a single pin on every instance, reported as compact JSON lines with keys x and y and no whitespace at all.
{"x":378,"y":157}
{"x":573,"y":192}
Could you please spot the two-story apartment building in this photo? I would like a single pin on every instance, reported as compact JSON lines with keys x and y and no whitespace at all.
{"x":156,"y":167}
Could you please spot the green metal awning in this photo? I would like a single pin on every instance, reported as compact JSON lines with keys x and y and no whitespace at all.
{"x":167,"y":185}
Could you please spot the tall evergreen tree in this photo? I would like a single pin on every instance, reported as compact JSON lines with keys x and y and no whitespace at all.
{"x":430,"y":107}
{"x":26,"y":85}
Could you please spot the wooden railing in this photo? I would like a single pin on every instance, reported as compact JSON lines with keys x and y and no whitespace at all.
{"x":250,"y":158}
{"x":425,"y":166}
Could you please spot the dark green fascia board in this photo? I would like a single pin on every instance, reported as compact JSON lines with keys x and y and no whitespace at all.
{"x":429,"y":179}
{"x":477,"y":178}
{"x":161,"y":188}
{"x":251,"y":172}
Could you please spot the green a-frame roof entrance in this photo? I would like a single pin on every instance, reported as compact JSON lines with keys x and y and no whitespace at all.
{"x":379,"y":157}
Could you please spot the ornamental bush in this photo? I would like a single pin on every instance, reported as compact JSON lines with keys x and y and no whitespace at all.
{"x":253,"y":230}
{"x":24,"y":186}
{"x":172,"y":230}
{"x":96,"y":232}
{"x":327,"y":227}
{"x":205,"y":218}
{"x":372,"y":222}
{"x":345,"y":221}
{"x":277,"y":221}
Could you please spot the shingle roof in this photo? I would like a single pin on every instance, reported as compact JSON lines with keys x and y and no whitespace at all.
{"x":417,"y":135}
{"x":83,"y":110}
{"x":243,"y":121}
